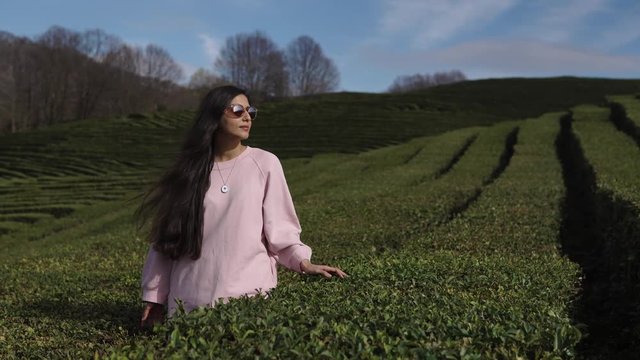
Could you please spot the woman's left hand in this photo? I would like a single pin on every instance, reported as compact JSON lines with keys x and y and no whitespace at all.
{"x":308,"y":268}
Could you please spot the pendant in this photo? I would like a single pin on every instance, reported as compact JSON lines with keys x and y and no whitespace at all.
{"x":224,"y":189}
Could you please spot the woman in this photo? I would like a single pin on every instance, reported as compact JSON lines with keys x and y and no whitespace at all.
{"x":222,"y":216}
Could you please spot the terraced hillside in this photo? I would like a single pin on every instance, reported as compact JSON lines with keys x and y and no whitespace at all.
{"x":472,"y":241}
{"x":603,"y":212}
{"x":50,"y":173}
{"x":122,"y":154}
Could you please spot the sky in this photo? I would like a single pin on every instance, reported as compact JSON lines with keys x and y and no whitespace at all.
{"x":371,"y":41}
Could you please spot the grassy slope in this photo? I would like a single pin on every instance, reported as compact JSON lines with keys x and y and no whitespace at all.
{"x":82,"y":291}
{"x":351,"y":122}
{"x":409,"y":295}
{"x":341,"y":122}
{"x":81,"y":287}
{"x":610,"y":257}
{"x":134,"y":150}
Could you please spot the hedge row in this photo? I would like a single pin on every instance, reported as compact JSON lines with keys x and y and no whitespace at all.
{"x":375,"y":209}
{"x":400,"y":165}
{"x":612,"y":250}
{"x":631,"y":106}
{"x":521,"y":211}
{"x":613,"y":154}
{"x":83,"y":295}
{"x":71,"y":293}
{"x":428,"y":301}
{"x":429,"y":305}
{"x":60,"y":196}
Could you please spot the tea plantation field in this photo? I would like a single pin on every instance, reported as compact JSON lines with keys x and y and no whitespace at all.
{"x":490,"y":219}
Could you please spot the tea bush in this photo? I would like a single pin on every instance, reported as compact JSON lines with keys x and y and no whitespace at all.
{"x":631,"y":106}
{"x":379,"y":209}
{"x":609,"y":252}
{"x":504,"y":295}
{"x":432,"y":305}
{"x":519,"y":212}
{"x":614,"y":155}
{"x":450,"y":238}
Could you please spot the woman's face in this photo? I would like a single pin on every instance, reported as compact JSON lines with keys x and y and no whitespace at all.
{"x":235,"y":126}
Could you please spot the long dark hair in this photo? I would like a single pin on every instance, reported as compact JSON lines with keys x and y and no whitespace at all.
{"x":175,"y":202}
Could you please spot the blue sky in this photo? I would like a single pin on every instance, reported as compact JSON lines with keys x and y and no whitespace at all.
{"x":372,"y":41}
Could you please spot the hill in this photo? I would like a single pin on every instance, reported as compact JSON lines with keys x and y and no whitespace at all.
{"x":122,"y":154}
{"x":451,"y":208}
{"x":353,"y":122}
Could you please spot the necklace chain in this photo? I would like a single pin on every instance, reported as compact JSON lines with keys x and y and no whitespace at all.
{"x":225,"y":187}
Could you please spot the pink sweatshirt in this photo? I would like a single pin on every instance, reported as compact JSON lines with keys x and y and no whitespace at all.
{"x":246,"y":232}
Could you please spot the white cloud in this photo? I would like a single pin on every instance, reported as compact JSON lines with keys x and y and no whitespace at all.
{"x":622,"y":32}
{"x":429,"y":22}
{"x":210,"y":45}
{"x":501,"y":58}
{"x":537,"y":58}
{"x":560,"y":22}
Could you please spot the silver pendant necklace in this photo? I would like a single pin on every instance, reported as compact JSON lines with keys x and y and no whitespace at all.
{"x":225,"y":188}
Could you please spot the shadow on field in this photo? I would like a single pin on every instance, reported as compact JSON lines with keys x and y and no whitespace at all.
{"x":505,"y":157}
{"x":456,"y":157}
{"x":619,"y":118}
{"x":104,"y":314}
{"x":603,"y":236}
{"x":503,"y":162}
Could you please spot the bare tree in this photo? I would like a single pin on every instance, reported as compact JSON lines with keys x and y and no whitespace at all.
{"x":58,"y":56}
{"x":203,"y":79}
{"x":26,"y":75}
{"x":7,"y":84}
{"x":63,"y":74}
{"x":310,"y":71}
{"x":125,"y":58}
{"x":254,"y":61}
{"x":145,"y":76}
{"x":277,"y":77}
{"x":124,"y":66}
{"x":95,"y":71}
{"x":422,"y":81}
{"x":164,"y":73}
{"x":159,"y":66}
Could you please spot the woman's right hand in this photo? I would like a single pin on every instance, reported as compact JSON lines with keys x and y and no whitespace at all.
{"x":151,"y":314}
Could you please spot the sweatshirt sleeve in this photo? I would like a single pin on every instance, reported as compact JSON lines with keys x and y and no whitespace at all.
{"x":281,"y":225}
{"x":155,"y":277}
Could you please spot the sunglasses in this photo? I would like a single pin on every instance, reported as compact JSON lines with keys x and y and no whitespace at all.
{"x":238,"y":110}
